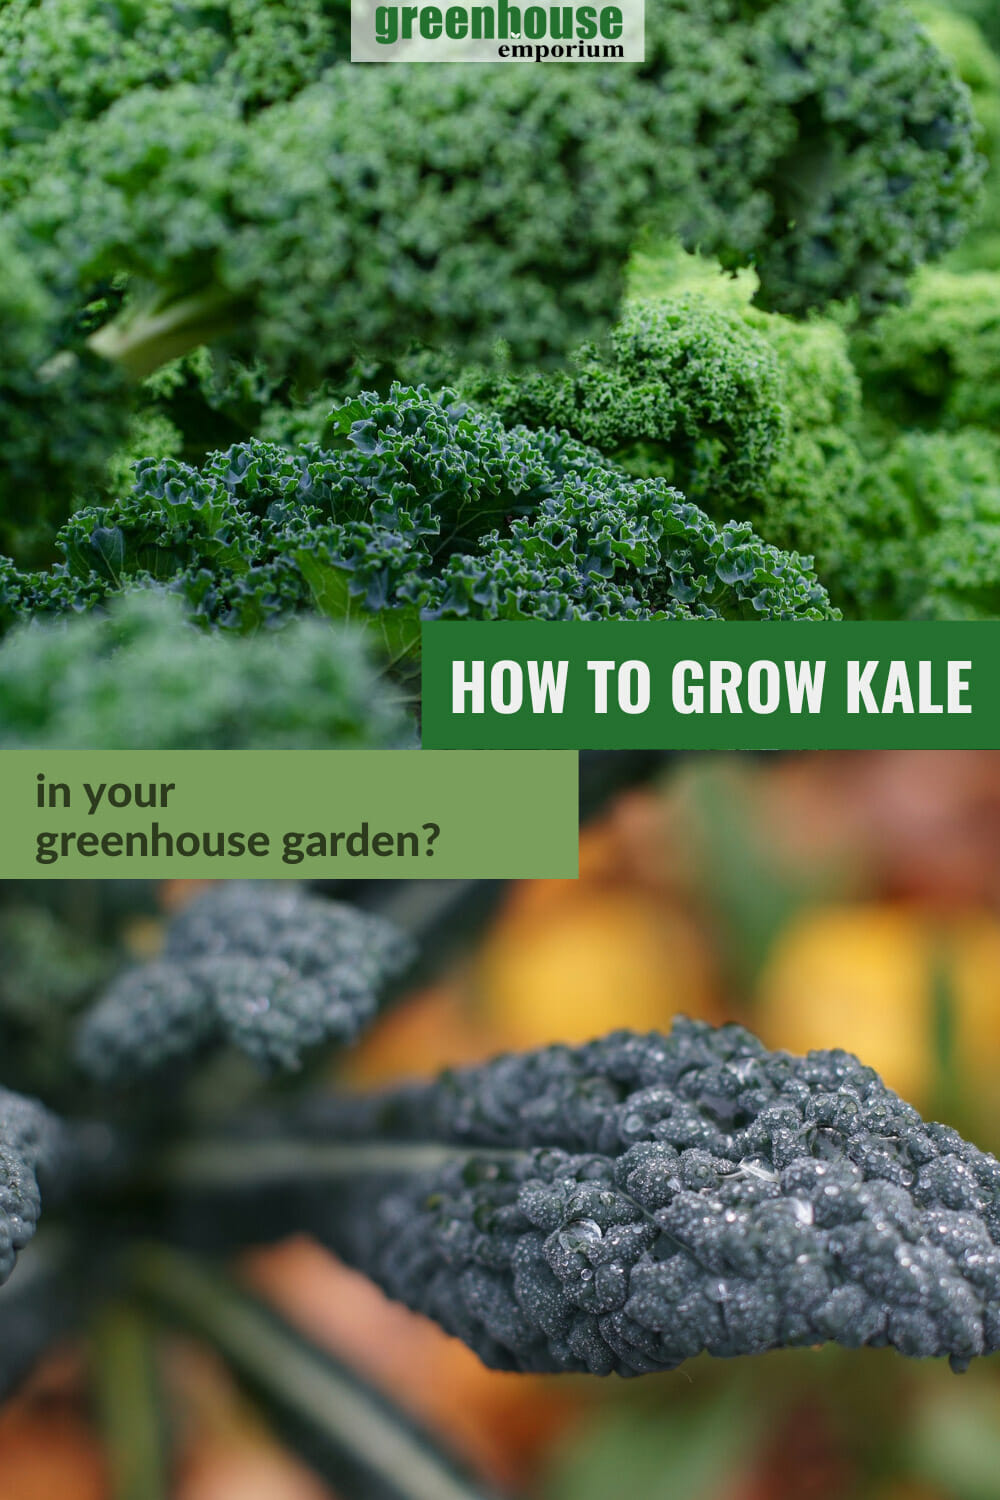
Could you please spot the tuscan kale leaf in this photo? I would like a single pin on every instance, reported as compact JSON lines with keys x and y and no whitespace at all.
{"x":625,"y":1205}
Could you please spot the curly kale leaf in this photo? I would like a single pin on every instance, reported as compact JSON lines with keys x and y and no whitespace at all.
{"x":812,"y":497}
{"x":266,"y":969}
{"x":418,"y":508}
{"x":609,"y":548}
{"x":318,"y":227}
{"x":936,"y":362}
{"x":968,"y":34}
{"x":70,"y":59}
{"x":139,"y":676}
{"x":816,"y":124}
{"x":899,"y":524}
{"x":683,"y":390}
{"x":60,"y":405}
{"x":749,"y":413}
{"x":828,"y":142}
{"x":454,"y":472}
{"x":622,"y":1206}
{"x":30,"y":1145}
{"x":932,"y":516}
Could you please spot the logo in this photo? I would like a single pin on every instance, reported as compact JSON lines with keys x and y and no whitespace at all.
{"x":497,"y":31}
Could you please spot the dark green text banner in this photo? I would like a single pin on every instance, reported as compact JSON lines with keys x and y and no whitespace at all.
{"x":711,"y":685}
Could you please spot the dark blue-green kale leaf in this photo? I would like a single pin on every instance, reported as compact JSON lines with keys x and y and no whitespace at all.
{"x":30,"y":1144}
{"x":625,"y":1205}
{"x":267,"y":969}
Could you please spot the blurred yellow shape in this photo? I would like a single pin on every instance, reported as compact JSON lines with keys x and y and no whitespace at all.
{"x":870,"y":979}
{"x":572,"y":969}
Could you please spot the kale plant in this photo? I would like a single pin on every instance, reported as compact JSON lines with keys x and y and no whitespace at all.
{"x":611,"y":1208}
{"x":932,"y":508}
{"x":682,"y":388}
{"x":752,"y":415}
{"x":936,"y":363}
{"x":176,"y":177}
{"x":877,"y":455}
{"x":412,"y":508}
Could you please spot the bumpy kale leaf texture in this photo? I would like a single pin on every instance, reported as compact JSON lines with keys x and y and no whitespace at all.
{"x":932,"y":506}
{"x":751,"y":414}
{"x":416,"y":508}
{"x":622,"y":1206}
{"x":264,"y":968}
{"x":30,"y":1144}
{"x":937,"y":361}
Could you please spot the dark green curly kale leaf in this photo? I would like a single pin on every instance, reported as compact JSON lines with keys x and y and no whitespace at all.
{"x":416,"y":507}
{"x":684,"y":389}
{"x":265,"y":968}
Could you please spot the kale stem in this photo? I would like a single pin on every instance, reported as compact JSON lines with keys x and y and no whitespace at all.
{"x":232,"y":1163}
{"x":343,"y":1428}
{"x":128,"y":1398}
{"x":140,"y":341}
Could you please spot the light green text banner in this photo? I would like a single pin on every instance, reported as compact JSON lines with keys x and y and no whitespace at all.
{"x":286,"y":813}
{"x":711,"y":685}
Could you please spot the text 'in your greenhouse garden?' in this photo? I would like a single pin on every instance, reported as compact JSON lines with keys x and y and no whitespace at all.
{"x":255,"y":814}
